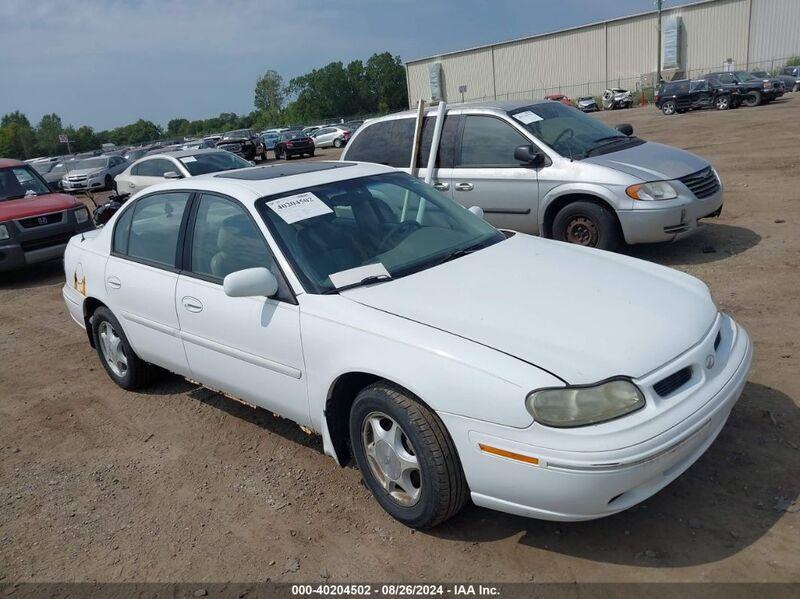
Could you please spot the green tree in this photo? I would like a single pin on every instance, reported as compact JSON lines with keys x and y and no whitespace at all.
{"x":269,"y":92}
{"x":178,"y":127}
{"x":17,"y":137}
{"x":386,"y":78}
{"x":794,"y":61}
{"x":47,"y":132}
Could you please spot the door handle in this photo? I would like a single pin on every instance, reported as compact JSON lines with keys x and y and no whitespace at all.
{"x":192,"y":304}
{"x":114,"y":282}
{"x":441,"y":185}
{"x":465,"y":187}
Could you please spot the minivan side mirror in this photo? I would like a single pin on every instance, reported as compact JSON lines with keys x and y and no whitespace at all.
{"x":625,"y":128}
{"x":250,"y":282}
{"x":526,"y":154}
{"x":172,"y":175}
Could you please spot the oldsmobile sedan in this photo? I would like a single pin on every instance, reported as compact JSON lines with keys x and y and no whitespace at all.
{"x":448,"y":359}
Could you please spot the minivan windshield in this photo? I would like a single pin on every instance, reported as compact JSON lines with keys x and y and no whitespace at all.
{"x":570,"y":132}
{"x":392,"y":221}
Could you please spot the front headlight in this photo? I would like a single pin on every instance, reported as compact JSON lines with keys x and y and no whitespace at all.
{"x":81,"y":215}
{"x":4,"y":233}
{"x":655,"y":190}
{"x":579,"y":406}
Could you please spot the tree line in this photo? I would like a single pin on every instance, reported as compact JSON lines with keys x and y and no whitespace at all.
{"x":334,"y":91}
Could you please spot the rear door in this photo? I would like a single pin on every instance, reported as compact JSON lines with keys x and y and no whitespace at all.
{"x":700,"y":94}
{"x":142,"y":273}
{"x":246,"y":346}
{"x":146,"y":173}
{"x":486,"y":174}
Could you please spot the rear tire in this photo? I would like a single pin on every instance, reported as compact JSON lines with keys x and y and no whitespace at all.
{"x":669,"y":108}
{"x":588,"y":224}
{"x":109,"y":183}
{"x":337,"y":143}
{"x":796,"y":87}
{"x":426,"y":460}
{"x":753,"y":98}
{"x":121,"y":363}
{"x":722,"y":103}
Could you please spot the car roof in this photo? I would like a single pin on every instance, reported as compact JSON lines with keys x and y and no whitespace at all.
{"x":183,"y":153}
{"x":6,"y":162}
{"x":250,"y":184}
{"x":496,"y":105}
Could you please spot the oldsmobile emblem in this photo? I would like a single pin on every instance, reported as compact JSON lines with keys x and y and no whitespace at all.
{"x":710,"y":361}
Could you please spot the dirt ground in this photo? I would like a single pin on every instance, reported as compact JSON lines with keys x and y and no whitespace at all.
{"x":181,"y":484}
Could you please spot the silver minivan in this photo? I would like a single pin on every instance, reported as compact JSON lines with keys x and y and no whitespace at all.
{"x":549,"y":169}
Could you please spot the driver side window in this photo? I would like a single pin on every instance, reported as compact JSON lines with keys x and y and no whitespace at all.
{"x":488,"y":141}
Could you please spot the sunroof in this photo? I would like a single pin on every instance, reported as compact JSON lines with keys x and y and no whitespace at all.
{"x":262,"y":173}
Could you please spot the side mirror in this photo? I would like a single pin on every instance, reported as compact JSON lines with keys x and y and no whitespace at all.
{"x":252,"y":162}
{"x":172,"y":175}
{"x":625,"y":129}
{"x":250,"y":282}
{"x":55,"y":186}
{"x":527,"y":155}
{"x":477,"y":211}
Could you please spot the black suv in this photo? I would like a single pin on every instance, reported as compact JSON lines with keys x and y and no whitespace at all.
{"x":791,"y":78}
{"x":693,"y":94}
{"x":244,"y":143}
{"x":754,"y":91}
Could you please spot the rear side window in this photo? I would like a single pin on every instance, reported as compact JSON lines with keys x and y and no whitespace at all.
{"x":489,"y":141}
{"x":153,"y":168}
{"x":447,"y":145}
{"x":122,"y":230}
{"x":155,"y":225}
{"x":373,"y":144}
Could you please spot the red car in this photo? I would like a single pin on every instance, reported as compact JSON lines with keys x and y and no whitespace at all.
{"x":559,"y":98}
{"x":35,"y":222}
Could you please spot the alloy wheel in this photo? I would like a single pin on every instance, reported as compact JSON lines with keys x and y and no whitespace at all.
{"x":113,"y":351}
{"x":392,"y":458}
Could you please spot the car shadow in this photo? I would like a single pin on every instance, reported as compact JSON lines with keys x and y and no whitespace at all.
{"x":40,"y":275}
{"x":712,"y":243}
{"x":725,"y":502}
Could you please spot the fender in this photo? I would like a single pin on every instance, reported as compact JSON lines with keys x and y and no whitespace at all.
{"x":600,"y":192}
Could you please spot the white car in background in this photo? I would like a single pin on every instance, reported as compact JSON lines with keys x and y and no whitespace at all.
{"x":156,"y":168}
{"x":95,"y":173}
{"x":327,"y":137}
{"x":446,"y":357}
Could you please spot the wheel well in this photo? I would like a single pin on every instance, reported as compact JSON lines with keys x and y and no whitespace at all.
{"x":337,"y":410}
{"x":89,"y":306}
{"x":560,"y":202}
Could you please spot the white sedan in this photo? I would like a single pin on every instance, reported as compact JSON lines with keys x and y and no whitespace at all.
{"x":448,"y":359}
{"x":156,"y":168}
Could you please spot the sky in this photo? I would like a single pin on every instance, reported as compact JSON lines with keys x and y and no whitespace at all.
{"x":106,"y":63}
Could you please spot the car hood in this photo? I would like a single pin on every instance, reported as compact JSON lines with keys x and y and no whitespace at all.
{"x":233,"y":140}
{"x":85,"y":171}
{"x":582,"y":314}
{"x":31,"y":206}
{"x":651,"y":161}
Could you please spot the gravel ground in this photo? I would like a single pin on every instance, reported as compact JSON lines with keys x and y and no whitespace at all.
{"x":181,"y":484}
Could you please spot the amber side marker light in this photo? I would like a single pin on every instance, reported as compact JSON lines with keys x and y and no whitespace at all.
{"x":508,"y":454}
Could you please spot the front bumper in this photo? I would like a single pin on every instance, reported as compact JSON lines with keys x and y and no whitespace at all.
{"x":604,"y":476}
{"x":40,"y":244}
{"x":669,"y":220}
{"x":82,"y":185}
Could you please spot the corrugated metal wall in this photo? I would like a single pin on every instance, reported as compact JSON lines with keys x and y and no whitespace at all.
{"x":588,"y":59}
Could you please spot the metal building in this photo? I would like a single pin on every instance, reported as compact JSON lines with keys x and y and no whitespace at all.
{"x":696,"y":38}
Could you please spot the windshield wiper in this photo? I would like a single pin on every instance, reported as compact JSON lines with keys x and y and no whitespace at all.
{"x":609,"y":140}
{"x":365,"y":281}
{"x":459,"y":253}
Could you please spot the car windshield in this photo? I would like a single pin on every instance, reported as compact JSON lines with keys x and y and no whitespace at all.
{"x":238,"y":134}
{"x":19,"y":182}
{"x":392,"y":221}
{"x":88,"y":163}
{"x":570,"y":132}
{"x":742,"y":76}
{"x":762,"y":74}
{"x":212,"y":162}
{"x":43,"y":167}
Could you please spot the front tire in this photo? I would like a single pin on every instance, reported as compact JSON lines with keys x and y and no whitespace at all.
{"x":108,"y":182}
{"x":406,"y":456}
{"x":587,"y":224}
{"x":752,"y":99}
{"x":124,"y":367}
{"x":722,"y":103}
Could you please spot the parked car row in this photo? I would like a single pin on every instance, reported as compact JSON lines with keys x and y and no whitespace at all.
{"x":612,"y":99}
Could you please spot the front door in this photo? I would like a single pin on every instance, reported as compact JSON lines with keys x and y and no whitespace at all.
{"x":141,"y":276}
{"x":486,"y":174}
{"x":248,"y":347}
{"x":147,"y":173}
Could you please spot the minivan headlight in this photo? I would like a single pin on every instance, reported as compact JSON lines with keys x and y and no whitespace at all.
{"x":655,"y":190}
{"x":564,"y":407}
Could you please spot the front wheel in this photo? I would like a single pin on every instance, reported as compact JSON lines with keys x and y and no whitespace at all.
{"x":406,"y":456}
{"x":668,"y":107}
{"x":109,"y":183}
{"x":722,"y":103}
{"x":752,"y":99}
{"x":124,"y":367}
{"x":588,"y":224}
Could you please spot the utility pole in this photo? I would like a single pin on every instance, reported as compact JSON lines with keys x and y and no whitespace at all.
{"x":658,"y":44}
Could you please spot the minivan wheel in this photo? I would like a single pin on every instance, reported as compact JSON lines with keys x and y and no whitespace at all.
{"x":124,"y":367}
{"x":723,"y":103}
{"x":668,"y":107}
{"x":588,"y":224}
{"x":406,"y":456}
{"x":752,"y":99}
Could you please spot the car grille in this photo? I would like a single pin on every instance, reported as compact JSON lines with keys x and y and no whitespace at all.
{"x":77,"y":178}
{"x":702,"y":183}
{"x":231,"y":147}
{"x":673,"y":382}
{"x":43,"y":219}
{"x":45,"y":242}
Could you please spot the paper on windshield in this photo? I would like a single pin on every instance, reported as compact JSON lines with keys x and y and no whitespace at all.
{"x":527,"y":117}
{"x":186,"y":159}
{"x":359,"y":273}
{"x":301,"y":206}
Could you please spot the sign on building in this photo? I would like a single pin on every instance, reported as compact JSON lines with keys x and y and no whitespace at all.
{"x":435,"y":75}
{"x":672,"y":43}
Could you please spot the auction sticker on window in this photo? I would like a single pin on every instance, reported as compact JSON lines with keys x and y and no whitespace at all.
{"x":299,"y":207}
{"x":527,"y":117}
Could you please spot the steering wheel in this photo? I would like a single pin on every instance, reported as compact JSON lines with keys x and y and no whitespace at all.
{"x":407,"y":227}
{"x":562,"y":134}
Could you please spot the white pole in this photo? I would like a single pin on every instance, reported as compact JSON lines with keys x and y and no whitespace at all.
{"x":437,"y":134}
{"x":414,"y":152}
